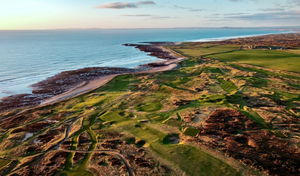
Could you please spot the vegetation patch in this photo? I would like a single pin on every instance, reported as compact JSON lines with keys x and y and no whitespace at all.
{"x":3,"y":163}
{"x":171,"y":139}
{"x":191,"y":131}
{"x":227,"y":85}
{"x":149,"y":107}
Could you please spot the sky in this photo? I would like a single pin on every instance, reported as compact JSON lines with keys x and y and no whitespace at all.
{"x":82,"y":14}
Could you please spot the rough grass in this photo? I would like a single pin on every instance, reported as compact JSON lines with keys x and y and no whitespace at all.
{"x":295,"y":51}
{"x":3,"y":163}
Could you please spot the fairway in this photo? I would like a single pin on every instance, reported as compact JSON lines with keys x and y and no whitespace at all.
{"x":280,"y":60}
{"x":288,"y":60}
{"x":191,"y":49}
{"x":200,"y":163}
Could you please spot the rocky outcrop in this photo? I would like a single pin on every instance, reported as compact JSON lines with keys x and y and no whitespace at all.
{"x":154,"y":50}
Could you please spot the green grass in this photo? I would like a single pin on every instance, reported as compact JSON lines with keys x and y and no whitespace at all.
{"x":112,"y":116}
{"x":189,"y":63}
{"x":213,"y":70}
{"x":172,"y":75}
{"x":237,"y":99}
{"x":191,"y":131}
{"x":150,"y":103}
{"x":197,"y":51}
{"x":77,"y":172}
{"x":149,"y":106}
{"x":256,"y":118}
{"x":213,"y":98}
{"x":257,"y":82}
{"x":92,"y":101}
{"x":296,"y":86}
{"x":140,"y":131}
{"x":120,"y":83}
{"x":190,"y":159}
{"x":168,"y":138}
{"x":227,"y":85}
{"x":266,"y":58}
{"x":193,"y":161}
{"x":264,"y":73}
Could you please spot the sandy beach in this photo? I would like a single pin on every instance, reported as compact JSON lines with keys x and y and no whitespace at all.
{"x":88,"y":86}
{"x":73,"y":83}
{"x":80,"y":89}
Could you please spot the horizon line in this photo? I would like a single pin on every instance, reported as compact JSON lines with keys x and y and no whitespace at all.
{"x":224,"y":27}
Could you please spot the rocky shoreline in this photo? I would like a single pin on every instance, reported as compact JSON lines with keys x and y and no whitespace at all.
{"x":67,"y":80}
{"x":56,"y":85}
{"x":155,"y":49}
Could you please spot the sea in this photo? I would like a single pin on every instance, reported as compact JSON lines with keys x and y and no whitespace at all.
{"x":30,"y":56}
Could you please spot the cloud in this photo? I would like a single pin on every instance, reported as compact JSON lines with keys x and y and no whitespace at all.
{"x":266,"y":16}
{"x":188,"y":8}
{"x":138,"y":15}
{"x":295,"y":2}
{"x":149,"y":16}
{"x":123,"y":5}
{"x":161,"y":17}
{"x":279,"y":9}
